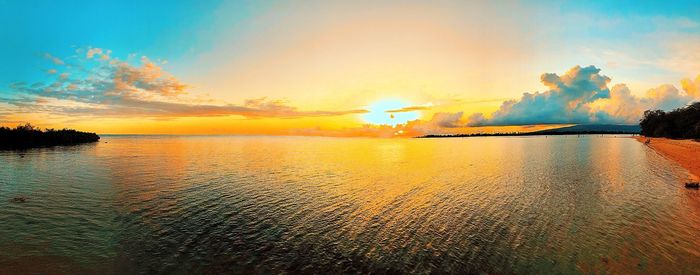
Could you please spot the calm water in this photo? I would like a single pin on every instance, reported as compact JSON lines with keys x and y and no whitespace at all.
{"x":161,"y":204}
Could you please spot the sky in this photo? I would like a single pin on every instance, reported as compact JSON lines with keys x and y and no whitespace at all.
{"x":343,"y":68}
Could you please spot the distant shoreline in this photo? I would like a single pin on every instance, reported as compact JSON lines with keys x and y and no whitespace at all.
{"x":531,"y":134}
{"x":685,"y":152}
{"x":582,"y":129}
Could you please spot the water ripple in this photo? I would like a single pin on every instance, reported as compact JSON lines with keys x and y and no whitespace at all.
{"x":317,"y":205}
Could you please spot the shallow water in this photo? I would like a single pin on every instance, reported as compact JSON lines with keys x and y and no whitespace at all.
{"x":212,"y":204}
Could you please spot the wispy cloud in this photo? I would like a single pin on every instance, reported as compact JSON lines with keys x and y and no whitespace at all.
{"x":409,"y":109}
{"x":55,"y":60}
{"x":99,"y":85}
{"x":102,"y":54}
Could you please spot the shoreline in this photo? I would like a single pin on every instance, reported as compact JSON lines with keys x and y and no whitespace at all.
{"x":530,"y":134}
{"x":684,"y":152}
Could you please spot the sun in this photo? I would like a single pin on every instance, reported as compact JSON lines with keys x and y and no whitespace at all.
{"x":381,"y":112}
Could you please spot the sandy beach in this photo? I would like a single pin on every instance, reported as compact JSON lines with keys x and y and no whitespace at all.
{"x":685,"y":152}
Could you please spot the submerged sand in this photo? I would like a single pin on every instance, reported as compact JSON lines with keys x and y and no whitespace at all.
{"x":683,"y":151}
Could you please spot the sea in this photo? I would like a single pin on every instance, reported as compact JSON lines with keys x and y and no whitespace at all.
{"x":315,"y":205}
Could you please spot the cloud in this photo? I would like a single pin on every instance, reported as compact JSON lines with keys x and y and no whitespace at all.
{"x":665,"y":97}
{"x":54,"y":59}
{"x":159,"y":109}
{"x":149,"y":78}
{"x":98,"y":85}
{"x":581,"y":96}
{"x":476,"y":119}
{"x":439,"y":123}
{"x":102,"y":54}
{"x":445,"y":120}
{"x":409,"y":109}
{"x":691,"y":87}
{"x":622,"y":106}
{"x":564,"y":102}
{"x":114,"y":88}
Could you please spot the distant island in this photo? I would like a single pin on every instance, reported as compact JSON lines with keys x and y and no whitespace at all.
{"x":596,"y":129}
{"x":28,"y":136}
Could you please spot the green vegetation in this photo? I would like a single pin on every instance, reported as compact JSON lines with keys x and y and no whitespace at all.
{"x":681,"y":123}
{"x":28,"y":136}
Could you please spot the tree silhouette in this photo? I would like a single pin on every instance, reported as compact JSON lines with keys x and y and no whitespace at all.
{"x":28,"y":136}
{"x":679,"y":123}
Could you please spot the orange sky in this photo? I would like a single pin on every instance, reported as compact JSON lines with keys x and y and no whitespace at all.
{"x":336,"y":68}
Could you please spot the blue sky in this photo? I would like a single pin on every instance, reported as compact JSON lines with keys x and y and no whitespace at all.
{"x":175,"y":30}
{"x":153,"y":28}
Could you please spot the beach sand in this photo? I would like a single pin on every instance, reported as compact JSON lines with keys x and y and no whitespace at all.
{"x":685,"y":152}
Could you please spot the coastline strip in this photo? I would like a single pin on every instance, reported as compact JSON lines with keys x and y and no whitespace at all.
{"x":683,"y":151}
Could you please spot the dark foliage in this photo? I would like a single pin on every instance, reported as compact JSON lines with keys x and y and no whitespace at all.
{"x":681,"y":123}
{"x":28,"y":136}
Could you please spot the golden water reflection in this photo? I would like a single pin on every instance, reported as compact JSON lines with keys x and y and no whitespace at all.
{"x":274,"y":204}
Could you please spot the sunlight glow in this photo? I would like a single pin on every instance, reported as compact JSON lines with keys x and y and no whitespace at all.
{"x":378,"y":112}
